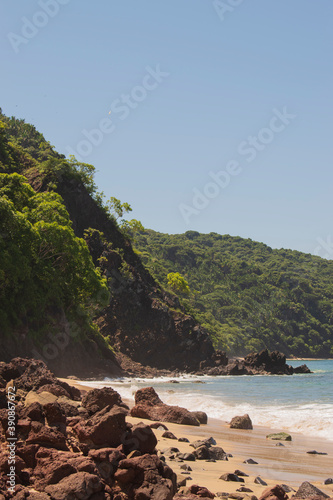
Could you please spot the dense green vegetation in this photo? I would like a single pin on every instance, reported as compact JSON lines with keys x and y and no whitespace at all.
{"x":45,"y":270}
{"x":43,"y":266}
{"x":247,"y":295}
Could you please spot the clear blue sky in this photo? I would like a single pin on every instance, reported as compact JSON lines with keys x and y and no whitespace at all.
{"x":227,"y":72}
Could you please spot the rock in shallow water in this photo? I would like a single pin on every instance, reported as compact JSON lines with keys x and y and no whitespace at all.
{"x":279,"y":436}
{"x":241,"y":422}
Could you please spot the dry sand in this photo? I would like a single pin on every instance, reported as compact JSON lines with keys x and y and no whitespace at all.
{"x":289,"y":464}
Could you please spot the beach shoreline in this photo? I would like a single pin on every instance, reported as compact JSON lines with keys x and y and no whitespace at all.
{"x":288,"y":464}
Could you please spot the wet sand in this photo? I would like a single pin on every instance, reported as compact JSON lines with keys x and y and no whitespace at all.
{"x":289,"y":464}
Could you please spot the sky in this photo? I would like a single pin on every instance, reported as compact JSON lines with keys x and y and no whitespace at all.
{"x":205,"y":115}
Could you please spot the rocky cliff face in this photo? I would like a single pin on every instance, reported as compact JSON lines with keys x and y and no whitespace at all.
{"x":142,"y":321}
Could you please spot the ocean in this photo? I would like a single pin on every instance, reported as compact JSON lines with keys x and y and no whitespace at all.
{"x":298,"y":403}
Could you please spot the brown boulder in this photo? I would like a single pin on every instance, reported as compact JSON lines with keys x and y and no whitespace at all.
{"x":236,"y":367}
{"x":268,"y":362}
{"x":34,"y":412}
{"x":55,"y":416}
{"x":141,"y":438}
{"x":5,"y":467}
{"x":157,"y":425}
{"x":275,"y":493}
{"x":45,"y":436}
{"x":243,"y":422}
{"x":106,"y":428}
{"x":32,"y":374}
{"x":107,"y":460}
{"x":308,"y":490}
{"x":52,"y":466}
{"x":194,"y":492}
{"x":68,"y":409}
{"x":302,"y":369}
{"x":73,"y":392}
{"x":201,"y":491}
{"x":81,"y":485}
{"x":28,"y":454}
{"x":168,"y":435}
{"x":30,"y":495}
{"x":97,"y":399}
{"x":201,"y":416}
{"x":201,"y":453}
{"x":54,"y":389}
{"x":147,"y":396}
{"x":148,"y":405}
{"x":148,"y":477}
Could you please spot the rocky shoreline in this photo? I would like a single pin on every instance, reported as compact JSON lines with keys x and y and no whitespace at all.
{"x":58,"y":443}
{"x":261,"y":363}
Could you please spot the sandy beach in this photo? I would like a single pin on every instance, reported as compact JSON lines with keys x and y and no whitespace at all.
{"x":289,"y":464}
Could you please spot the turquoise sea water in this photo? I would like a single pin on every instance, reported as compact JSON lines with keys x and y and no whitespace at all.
{"x":299,"y":403}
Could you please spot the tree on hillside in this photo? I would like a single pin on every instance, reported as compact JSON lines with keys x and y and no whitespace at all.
{"x":178,"y":283}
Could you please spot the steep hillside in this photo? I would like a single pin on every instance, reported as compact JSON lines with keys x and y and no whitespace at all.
{"x":248,"y":296}
{"x":77,"y":295}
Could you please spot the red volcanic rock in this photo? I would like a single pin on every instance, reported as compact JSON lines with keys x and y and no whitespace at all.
{"x":302,"y":369}
{"x":195,"y":492}
{"x":106,"y":428}
{"x":148,"y":405}
{"x":55,"y":416}
{"x":112,"y":455}
{"x":45,"y":436}
{"x":157,"y":425}
{"x":4,"y":465}
{"x":28,"y":454}
{"x":27,"y":493}
{"x":125,"y":476}
{"x":142,"y":438}
{"x":243,"y":422}
{"x":268,"y":362}
{"x":275,"y":493}
{"x":52,"y":466}
{"x":148,"y":476}
{"x":147,"y":396}
{"x":201,"y":491}
{"x":23,"y":427}
{"x":54,"y":389}
{"x":168,"y":435}
{"x":34,"y":412}
{"x":308,"y":490}
{"x":80,"y":485}
{"x":97,"y":399}
{"x":201,"y":416}
{"x":32,"y":374}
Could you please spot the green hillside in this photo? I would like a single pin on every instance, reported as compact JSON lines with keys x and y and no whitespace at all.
{"x":46,"y":271}
{"x":73,"y":292}
{"x":246,"y":294}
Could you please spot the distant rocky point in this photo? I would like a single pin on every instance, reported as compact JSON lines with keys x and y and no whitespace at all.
{"x":262,"y":363}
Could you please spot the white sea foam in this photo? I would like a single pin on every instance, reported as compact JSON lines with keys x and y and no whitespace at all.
{"x":311,"y":419}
